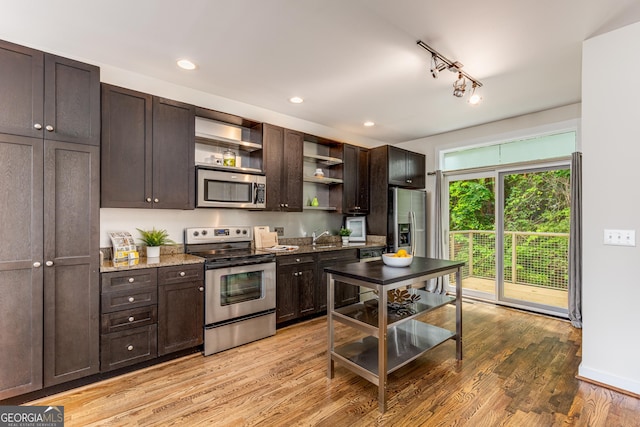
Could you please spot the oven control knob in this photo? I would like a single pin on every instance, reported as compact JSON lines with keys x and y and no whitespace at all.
{"x":237,"y":231}
{"x":244,"y":232}
{"x":204,"y":232}
{"x":196,"y":233}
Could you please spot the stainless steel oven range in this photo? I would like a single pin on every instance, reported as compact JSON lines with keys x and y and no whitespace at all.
{"x":240,"y":286}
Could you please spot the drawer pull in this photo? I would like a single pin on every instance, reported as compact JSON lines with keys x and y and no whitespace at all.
{"x":131,"y":280}
{"x":201,"y":288}
{"x":182,"y":273}
{"x":131,"y":318}
{"x":131,"y":299}
{"x":297,"y":259}
{"x":129,"y":347}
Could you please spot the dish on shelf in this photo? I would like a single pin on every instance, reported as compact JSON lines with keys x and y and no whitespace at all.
{"x":394,"y":261}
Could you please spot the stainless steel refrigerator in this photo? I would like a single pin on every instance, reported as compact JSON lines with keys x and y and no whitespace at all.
{"x":408,"y":221}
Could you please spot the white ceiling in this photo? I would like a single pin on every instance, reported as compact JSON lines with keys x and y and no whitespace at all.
{"x":351,"y":60}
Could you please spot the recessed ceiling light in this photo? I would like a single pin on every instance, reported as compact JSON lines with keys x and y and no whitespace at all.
{"x":185,"y":64}
{"x":369,"y":124}
{"x":296,"y":100}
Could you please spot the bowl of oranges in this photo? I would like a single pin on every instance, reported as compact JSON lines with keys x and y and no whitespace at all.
{"x":399,"y":259}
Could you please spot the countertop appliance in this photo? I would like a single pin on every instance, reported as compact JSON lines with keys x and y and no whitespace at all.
{"x":225,"y":189}
{"x":240,"y":286}
{"x":407,"y":222}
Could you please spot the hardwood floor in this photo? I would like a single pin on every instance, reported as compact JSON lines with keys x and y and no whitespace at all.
{"x":518,"y":370}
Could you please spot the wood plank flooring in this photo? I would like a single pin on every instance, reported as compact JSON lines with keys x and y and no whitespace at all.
{"x":519,"y":370}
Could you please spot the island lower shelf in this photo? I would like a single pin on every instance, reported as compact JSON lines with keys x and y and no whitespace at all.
{"x":405,"y":343}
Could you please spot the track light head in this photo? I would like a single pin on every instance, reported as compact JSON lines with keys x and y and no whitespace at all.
{"x":436,"y":66}
{"x":474,"y":99}
{"x":459,"y":86}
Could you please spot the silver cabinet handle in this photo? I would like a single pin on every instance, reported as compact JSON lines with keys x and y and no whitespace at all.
{"x":201,"y":288}
{"x":156,"y":200}
{"x":36,"y":264}
{"x":182,"y":273}
{"x":409,"y":181}
{"x":49,"y":128}
{"x":148,"y":199}
{"x":295,"y":274}
{"x":131,"y":299}
{"x":131,"y":280}
{"x":48,"y":263}
{"x":131,"y":319}
{"x":297,"y":259}
{"x":37,"y":126}
{"x":129,"y":347}
{"x":286,"y":205}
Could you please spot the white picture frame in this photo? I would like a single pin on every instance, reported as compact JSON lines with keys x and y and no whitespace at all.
{"x":358,"y":227}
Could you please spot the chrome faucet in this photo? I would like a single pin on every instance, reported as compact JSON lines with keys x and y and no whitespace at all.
{"x":315,"y":238}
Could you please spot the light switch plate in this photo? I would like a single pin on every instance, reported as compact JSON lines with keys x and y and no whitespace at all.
{"x":620,"y":237}
{"x":279,"y":230}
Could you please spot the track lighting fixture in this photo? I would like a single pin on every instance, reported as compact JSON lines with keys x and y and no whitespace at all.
{"x":440,"y":62}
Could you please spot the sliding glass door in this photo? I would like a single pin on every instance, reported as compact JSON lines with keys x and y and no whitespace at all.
{"x":511,"y":227}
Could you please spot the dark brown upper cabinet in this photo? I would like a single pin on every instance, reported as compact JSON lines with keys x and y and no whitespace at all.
{"x":47,"y":96}
{"x":406,"y":168}
{"x":396,"y":167}
{"x":148,"y":146}
{"x":356,"y":180}
{"x":282,"y":163}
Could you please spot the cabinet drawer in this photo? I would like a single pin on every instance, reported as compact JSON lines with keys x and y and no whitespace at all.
{"x":293,"y":259}
{"x":122,"y":300}
{"x":128,"y":319}
{"x":125,"y":348}
{"x":342,"y":254}
{"x":180,"y":273}
{"x":123,"y":280}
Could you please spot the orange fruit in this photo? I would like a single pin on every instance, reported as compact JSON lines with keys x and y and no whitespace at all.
{"x":402,"y":253}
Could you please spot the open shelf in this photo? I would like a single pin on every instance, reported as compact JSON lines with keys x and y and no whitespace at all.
{"x":323,"y":160}
{"x":221,"y":141}
{"x":323,"y":180}
{"x":405,"y":343}
{"x":367,"y":312}
{"x":229,"y":168}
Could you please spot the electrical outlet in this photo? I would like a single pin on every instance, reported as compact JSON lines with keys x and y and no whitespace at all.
{"x":279,"y":230}
{"x":620,"y":237}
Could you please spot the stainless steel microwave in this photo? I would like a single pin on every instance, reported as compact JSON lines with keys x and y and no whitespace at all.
{"x":226,"y":189}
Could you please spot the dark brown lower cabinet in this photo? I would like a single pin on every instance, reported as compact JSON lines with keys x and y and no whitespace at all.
{"x":181,"y":308}
{"x":344,"y":294}
{"x":295,"y":288}
{"x":150,"y":312}
{"x":301,"y":284}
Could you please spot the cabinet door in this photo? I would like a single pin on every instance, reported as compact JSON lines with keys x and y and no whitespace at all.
{"x":397,"y":166}
{"x":126,"y":148}
{"x":350,"y":178}
{"x":180,"y":316}
{"x":356,"y":180}
{"x":344,"y":294}
{"x":272,"y":147}
{"x":287,"y":296}
{"x":292,"y":175}
{"x":416,"y":170}
{"x":71,"y":101}
{"x":20,"y":277}
{"x":71,"y":271}
{"x":363,"y":180}
{"x":173,"y":154}
{"x":22,"y":89}
{"x":306,"y":289}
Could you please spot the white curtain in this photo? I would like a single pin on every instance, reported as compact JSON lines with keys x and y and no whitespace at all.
{"x":437,"y":285}
{"x":575,"y":242}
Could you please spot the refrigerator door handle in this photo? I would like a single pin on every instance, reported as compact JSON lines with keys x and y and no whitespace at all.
{"x":396,"y":230}
{"x":412,"y":216}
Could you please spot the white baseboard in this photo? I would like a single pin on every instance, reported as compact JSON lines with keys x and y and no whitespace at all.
{"x":607,"y":379}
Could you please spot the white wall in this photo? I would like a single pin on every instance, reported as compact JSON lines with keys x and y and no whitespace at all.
{"x":504,"y":130}
{"x":611,"y":171}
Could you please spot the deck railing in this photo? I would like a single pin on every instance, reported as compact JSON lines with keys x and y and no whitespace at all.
{"x":535,"y":259}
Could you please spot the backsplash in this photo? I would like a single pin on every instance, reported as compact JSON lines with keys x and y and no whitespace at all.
{"x":296,"y":224}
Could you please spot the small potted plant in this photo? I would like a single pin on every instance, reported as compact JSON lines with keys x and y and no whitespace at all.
{"x":153,"y":239}
{"x":345,"y":233}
